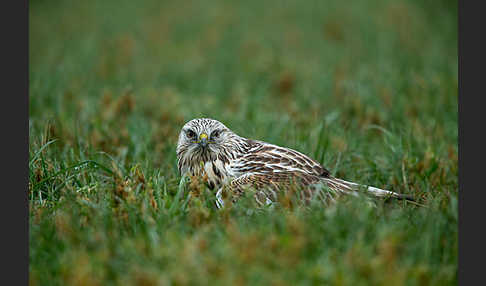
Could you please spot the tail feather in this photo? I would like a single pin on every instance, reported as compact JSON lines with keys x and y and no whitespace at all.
{"x":354,"y":188}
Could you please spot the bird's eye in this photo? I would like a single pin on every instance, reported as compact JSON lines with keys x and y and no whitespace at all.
{"x":215,"y":133}
{"x":190,"y":133}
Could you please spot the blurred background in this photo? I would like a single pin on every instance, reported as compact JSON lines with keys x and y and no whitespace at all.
{"x":368,"y":88}
{"x":284,"y":64}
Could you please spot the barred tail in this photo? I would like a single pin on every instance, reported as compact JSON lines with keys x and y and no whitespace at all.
{"x":353,"y":188}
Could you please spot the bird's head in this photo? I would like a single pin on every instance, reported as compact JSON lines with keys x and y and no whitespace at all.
{"x":201,"y":140}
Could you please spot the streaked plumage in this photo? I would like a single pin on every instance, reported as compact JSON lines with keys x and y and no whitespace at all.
{"x":207,"y":148}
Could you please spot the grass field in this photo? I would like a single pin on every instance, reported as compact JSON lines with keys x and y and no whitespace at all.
{"x":367,"y":88}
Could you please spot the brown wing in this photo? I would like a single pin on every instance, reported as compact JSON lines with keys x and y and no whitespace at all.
{"x":269,"y":167}
{"x":268,"y":159}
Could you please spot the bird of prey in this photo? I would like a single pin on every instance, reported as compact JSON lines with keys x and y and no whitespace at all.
{"x":208,"y":149}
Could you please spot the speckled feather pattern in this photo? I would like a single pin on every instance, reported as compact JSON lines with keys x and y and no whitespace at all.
{"x":237,"y":163}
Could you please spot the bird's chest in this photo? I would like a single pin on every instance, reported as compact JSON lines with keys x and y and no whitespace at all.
{"x":215,"y":173}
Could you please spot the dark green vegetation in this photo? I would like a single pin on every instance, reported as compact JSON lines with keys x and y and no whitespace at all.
{"x":368,"y":88}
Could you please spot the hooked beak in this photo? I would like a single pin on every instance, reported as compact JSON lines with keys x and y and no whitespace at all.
{"x":203,"y":140}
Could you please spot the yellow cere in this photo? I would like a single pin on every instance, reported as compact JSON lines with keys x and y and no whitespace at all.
{"x":203,"y":136}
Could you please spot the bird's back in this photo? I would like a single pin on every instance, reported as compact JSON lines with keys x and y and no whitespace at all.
{"x":277,"y":164}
